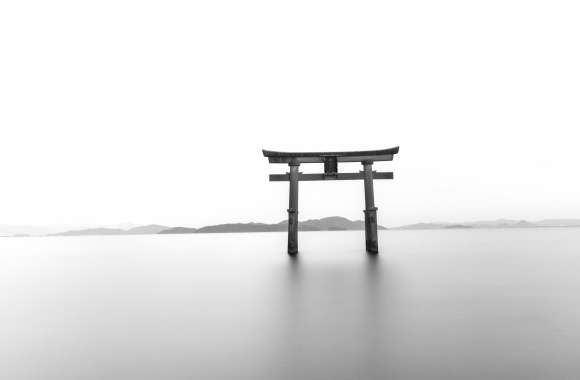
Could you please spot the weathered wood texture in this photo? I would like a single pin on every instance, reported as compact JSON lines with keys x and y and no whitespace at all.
{"x":330,"y":165}
{"x":319,"y":157}
{"x":371,"y":236}
{"x":293,"y":211}
{"x":331,"y":160}
{"x":330,"y":177}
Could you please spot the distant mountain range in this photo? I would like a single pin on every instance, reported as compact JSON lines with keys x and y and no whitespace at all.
{"x":499,"y":223}
{"x":139,"y":230}
{"x":333,"y":223}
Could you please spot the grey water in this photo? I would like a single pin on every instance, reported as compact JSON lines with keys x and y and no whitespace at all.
{"x":445,"y":304}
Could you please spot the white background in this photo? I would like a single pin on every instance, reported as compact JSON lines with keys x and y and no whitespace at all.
{"x":156,"y":111}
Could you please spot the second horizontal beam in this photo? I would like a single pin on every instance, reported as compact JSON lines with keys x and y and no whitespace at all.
{"x":330,"y":177}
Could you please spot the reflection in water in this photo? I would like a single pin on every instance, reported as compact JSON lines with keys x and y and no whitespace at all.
{"x":291,"y":307}
{"x":374,"y":316}
{"x":333,"y":308}
{"x":436,"y":305}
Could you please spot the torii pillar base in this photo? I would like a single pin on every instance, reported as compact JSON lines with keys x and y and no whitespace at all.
{"x":371,"y":236}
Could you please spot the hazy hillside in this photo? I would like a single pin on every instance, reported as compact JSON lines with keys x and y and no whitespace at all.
{"x":21,"y":230}
{"x":423,"y":226}
{"x":178,"y":230}
{"x":240,"y":227}
{"x":140,"y":230}
{"x":333,"y":223}
{"x":146,"y":230}
{"x":92,"y":231}
{"x":499,"y":223}
{"x":558,"y":222}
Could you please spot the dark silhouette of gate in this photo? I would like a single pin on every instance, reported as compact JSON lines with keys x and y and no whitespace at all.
{"x":331,"y":160}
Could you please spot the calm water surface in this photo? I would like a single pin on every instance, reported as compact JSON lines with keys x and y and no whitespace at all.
{"x":460,"y":304}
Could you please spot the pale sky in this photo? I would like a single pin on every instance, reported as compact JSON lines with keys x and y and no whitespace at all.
{"x":157,"y":111}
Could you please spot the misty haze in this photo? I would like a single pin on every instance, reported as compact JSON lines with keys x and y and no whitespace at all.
{"x":289,"y":190}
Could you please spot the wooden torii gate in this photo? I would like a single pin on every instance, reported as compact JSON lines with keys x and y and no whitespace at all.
{"x":331,"y":160}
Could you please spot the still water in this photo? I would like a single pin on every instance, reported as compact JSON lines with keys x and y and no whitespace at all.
{"x":448,"y":304}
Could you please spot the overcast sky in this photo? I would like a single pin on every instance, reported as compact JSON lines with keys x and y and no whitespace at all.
{"x":157,"y":111}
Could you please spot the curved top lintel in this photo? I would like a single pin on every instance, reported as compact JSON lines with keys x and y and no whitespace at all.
{"x":360,"y":153}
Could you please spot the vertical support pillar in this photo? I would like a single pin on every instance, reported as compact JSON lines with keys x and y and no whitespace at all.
{"x":372,"y":241}
{"x":293,"y":210}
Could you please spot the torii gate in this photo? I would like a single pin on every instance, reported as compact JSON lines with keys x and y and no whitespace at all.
{"x":331,"y":160}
